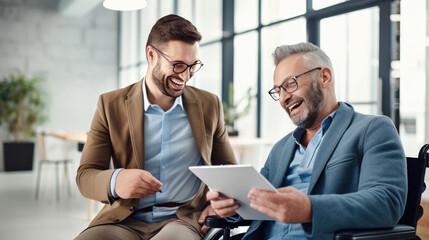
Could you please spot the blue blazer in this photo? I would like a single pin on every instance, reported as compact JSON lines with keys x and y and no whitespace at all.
{"x":359,"y":178}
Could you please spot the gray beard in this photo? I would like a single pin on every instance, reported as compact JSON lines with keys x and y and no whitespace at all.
{"x":315,"y":103}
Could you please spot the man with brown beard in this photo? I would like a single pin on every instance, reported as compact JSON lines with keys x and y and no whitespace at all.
{"x":338,"y":169}
{"x":153,"y":131}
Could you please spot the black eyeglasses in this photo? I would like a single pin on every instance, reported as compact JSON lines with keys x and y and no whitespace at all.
{"x":289,"y":85}
{"x":181,"y":67}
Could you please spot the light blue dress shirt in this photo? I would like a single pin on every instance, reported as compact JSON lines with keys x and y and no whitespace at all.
{"x":298,"y":176}
{"x":169,"y":150}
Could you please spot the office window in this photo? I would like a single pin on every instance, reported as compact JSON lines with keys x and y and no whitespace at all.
{"x":349,"y":32}
{"x":148,"y":17}
{"x":275,"y":10}
{"x":245,"y":15}
{"x":245,"y":77}
{"x":128,"y":57}
{"x":128,"y":76}
{"x":209,"y":77}
{"x":275,"y":122}
{"x":186,"y":9}
{"x":209,"y":19}
{"x":354,"y":55}
{"x":141,"y":70}
{"x":319,"y":4}
{"x":166,"y":7}
{"x":128,"y":38}
{"x":412,"y":69}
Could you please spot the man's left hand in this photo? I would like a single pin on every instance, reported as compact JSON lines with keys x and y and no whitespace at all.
{"x":289,"y":205}
{"x":207,"y":212}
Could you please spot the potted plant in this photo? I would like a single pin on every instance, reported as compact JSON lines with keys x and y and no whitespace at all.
{"x":21,"y":107}
{"x":233,"y":111}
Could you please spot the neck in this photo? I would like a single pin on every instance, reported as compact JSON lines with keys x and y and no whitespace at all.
{"x":324,"y":112}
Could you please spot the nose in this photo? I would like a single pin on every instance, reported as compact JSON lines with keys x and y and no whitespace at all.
{"x":186,"y":75}
{"x":283,"y":95}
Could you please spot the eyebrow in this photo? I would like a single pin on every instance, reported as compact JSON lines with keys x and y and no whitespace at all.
{"x":180,"y":61}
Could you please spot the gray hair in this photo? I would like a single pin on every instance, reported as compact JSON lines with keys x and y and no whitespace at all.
{"x":313,"y":56}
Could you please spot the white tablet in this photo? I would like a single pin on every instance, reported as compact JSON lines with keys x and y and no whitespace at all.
{"x":235,"y":181}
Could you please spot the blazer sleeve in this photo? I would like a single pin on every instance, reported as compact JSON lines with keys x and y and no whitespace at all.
{"x":93,"y":175}
{"x":382,"y":188}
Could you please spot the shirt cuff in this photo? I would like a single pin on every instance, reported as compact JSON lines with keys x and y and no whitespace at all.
{"x":113,"y":183}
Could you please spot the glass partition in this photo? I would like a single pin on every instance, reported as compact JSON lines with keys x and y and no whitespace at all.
{"x":275,"y":122}
{"x":354,"y":55}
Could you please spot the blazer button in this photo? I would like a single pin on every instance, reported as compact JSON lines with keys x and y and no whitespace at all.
{"x":115,"y":220}
{"x":132,"y":208}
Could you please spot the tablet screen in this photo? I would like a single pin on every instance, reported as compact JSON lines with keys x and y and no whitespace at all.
{"x":235,"y":181}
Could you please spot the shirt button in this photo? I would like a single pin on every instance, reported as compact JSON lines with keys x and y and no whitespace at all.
{"x":132,"y":208}
{"x":115,"y":220}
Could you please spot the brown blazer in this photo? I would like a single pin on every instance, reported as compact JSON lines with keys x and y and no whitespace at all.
{"x":117,"y":132}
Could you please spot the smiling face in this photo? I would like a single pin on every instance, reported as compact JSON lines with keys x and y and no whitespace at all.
{"x":303,"y":105}
{"x":165,"y":81}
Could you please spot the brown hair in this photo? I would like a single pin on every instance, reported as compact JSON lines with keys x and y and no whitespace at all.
{"x":173,"y":27}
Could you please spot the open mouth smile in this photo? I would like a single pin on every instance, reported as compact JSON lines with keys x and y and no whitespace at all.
{"x":177,"y":83}
{"x":293,"y":106}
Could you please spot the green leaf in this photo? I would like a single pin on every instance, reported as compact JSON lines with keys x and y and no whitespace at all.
{"x":233,"y":111}
{"x":22,"y":102}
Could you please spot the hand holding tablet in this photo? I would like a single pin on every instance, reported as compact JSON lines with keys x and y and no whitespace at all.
{"x":235,"y":181}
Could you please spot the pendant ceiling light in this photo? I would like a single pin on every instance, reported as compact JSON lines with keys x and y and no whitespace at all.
{"x":124,"y":5}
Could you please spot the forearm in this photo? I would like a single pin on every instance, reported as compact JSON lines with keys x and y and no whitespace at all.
{"x":364,"y":209}
{"x":93,"y":175}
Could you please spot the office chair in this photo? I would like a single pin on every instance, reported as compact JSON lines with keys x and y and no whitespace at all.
{"x":405,"y":229}
{"x":41,"y":148}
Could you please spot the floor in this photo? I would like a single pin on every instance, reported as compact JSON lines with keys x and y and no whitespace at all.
{"x":23,"y":217}
{"x":423,"y":223}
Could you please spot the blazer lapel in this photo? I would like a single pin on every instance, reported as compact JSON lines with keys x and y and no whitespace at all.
{"x":135,"y":115}
{"x":194,"y":110}
{"x":284,"y":160}
{"x":339,"y":125}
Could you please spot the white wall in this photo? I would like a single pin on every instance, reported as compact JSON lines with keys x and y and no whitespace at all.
{"x":78,"y":54}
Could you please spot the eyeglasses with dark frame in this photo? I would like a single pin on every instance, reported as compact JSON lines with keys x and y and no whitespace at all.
{"x":289,"y":85}
{"x":181,"y":67}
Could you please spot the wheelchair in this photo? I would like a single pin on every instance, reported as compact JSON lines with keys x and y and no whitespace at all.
{"x":405,"y":229}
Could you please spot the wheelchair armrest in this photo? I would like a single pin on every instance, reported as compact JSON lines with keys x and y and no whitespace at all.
{"x":215,"y":221}
{"x":400,"y":231}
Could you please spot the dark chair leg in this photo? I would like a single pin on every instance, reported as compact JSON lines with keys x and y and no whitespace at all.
{"x":39,"y":171}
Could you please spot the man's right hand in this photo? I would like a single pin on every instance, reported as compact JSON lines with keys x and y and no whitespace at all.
{"x":224,"y":207}
{"x":136,"y":183}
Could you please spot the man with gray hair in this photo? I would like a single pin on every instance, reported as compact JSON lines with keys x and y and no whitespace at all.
{"x":338,"y":169}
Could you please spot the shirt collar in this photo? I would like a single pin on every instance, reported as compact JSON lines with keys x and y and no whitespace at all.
{"x":147,"y":103}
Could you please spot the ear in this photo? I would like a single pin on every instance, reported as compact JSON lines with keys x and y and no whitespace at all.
{"x":325,"y":77}
{"x":150,"y":52}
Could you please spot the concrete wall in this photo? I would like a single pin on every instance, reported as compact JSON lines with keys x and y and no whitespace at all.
{"x":78,"y":55}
